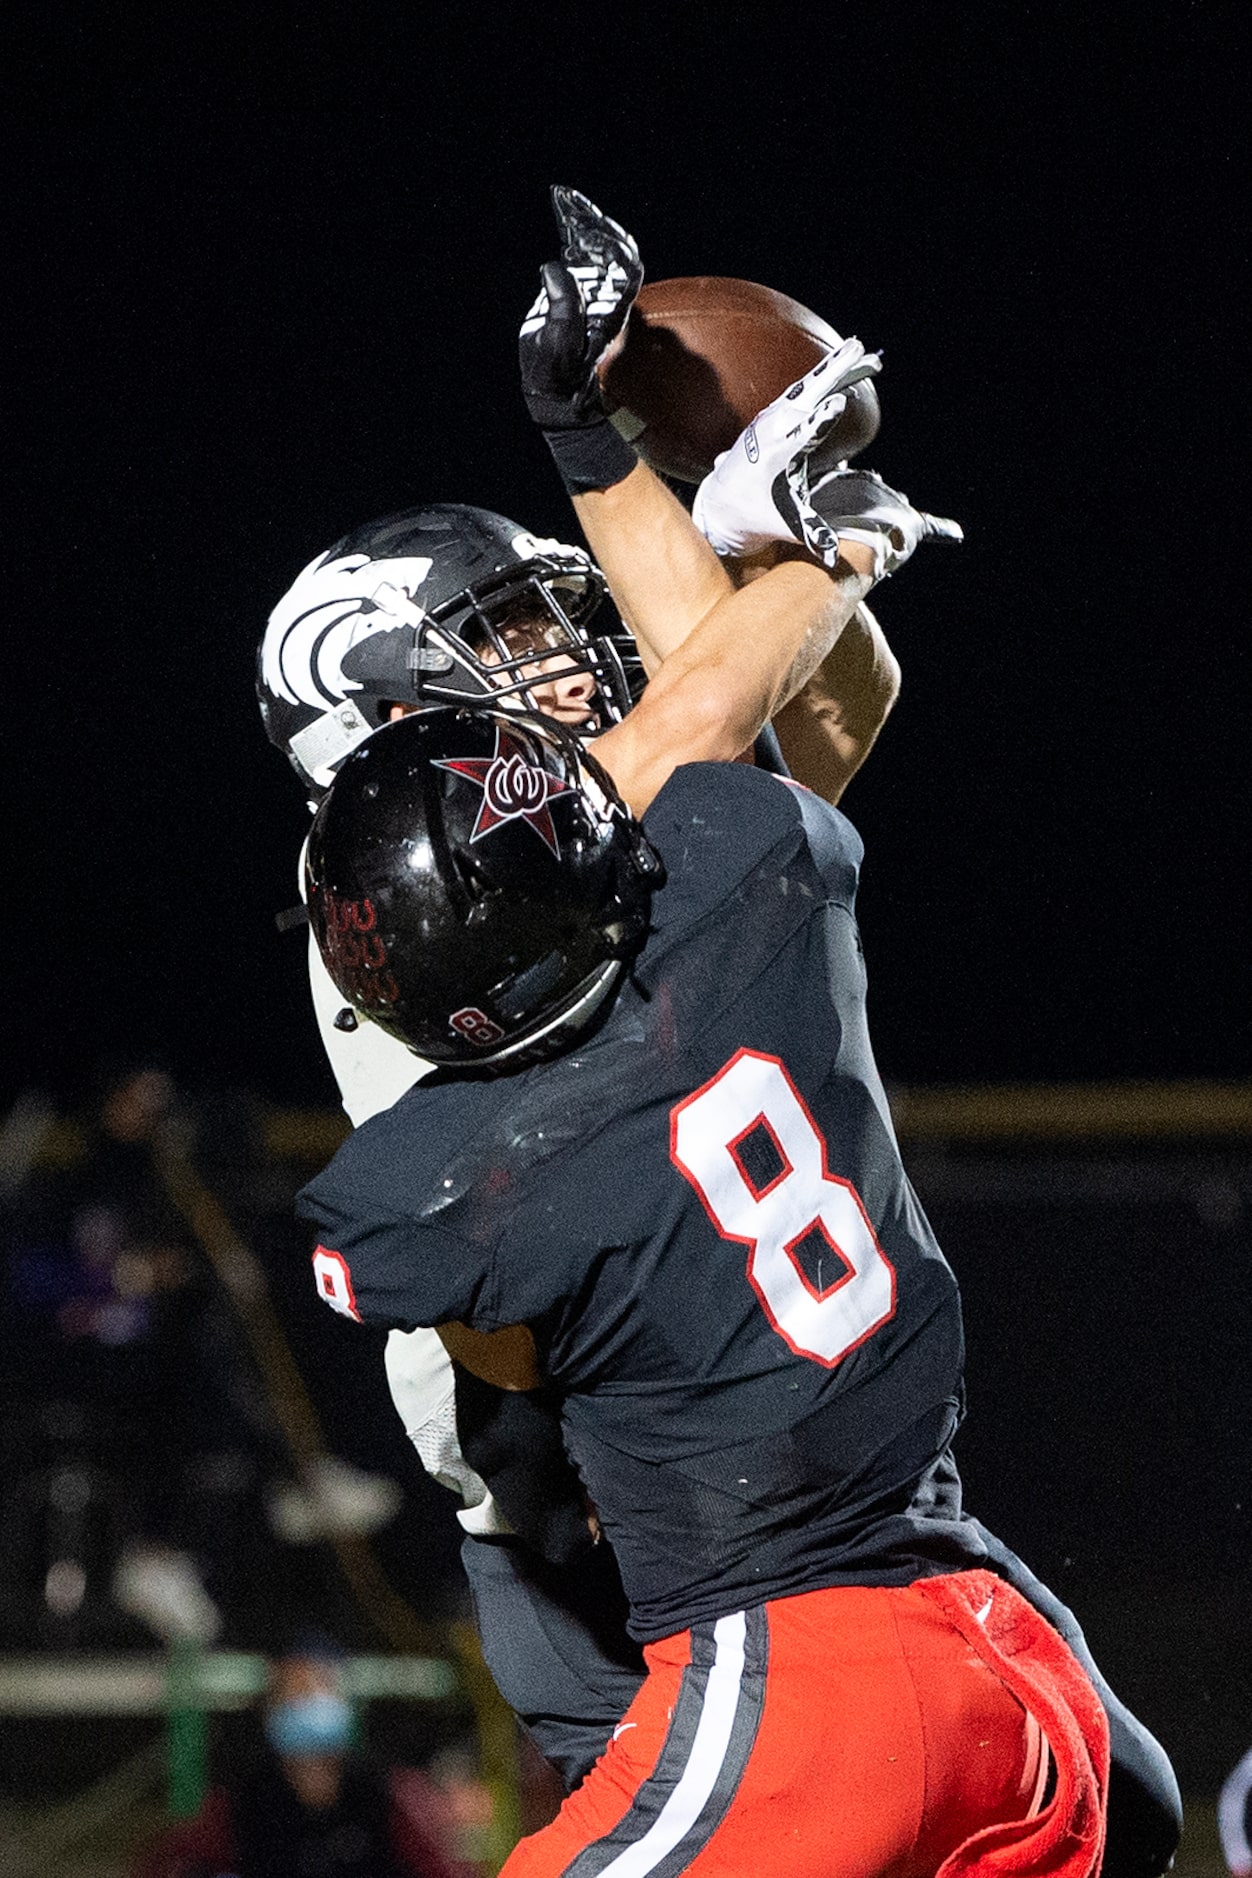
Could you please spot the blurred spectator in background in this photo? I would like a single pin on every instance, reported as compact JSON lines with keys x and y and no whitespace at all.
{"x":1234,"y":1818}
{"x":153,"y":1345}
{"x":311,"y":1804}
{"x":128,"y":1380}
{"x":141,"y":1449}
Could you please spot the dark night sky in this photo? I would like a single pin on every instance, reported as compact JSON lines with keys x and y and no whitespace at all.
{"x":267,"y":284}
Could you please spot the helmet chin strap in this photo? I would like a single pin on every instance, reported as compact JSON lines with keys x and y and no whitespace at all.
{"x":322,"y":745}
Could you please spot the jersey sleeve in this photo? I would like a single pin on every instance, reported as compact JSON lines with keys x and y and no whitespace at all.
{"x":832,"y":841}
{"x":714,"y":823}
{"x":382,"y":1266}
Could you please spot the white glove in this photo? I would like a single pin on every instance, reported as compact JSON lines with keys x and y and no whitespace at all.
{"x":735,"y":506}
{"x":857,"y":505}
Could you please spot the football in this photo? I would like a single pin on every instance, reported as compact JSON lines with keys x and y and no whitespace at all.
{"x":701,"y":356}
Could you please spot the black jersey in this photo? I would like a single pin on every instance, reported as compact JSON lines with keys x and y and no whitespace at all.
{"x":703,"y":1216}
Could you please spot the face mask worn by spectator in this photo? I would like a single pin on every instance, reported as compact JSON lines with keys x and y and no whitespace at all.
{"x":320,"y":1723}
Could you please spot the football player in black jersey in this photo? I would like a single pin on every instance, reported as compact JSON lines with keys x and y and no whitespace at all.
{"x":772,"y":487}
{"x":645,"y":519}
{"x":835,"y":1683}
{"x":698,"y":1207}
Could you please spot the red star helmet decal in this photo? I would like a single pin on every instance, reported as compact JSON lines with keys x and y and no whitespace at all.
{"x":514,"y":788}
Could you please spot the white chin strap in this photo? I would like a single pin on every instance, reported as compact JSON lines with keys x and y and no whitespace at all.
{"x":321,"y":746}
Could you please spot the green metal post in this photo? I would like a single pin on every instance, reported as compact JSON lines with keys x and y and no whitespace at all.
{"x":186,"y":1733}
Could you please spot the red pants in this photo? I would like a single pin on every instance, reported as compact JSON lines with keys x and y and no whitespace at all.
{"x":858,"y":1732}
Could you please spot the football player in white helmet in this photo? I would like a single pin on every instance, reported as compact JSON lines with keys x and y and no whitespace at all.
{"x":412,"y":635}
{"x":444,"y":602}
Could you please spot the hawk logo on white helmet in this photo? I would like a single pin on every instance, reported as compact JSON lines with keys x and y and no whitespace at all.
{"x":331,"y":607}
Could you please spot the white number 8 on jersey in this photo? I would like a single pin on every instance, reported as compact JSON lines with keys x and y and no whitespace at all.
{"x":801,"y":1198}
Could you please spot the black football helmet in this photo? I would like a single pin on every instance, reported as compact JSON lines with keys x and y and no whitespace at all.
{"x":475,"y":884}
{"x":402,"y":611}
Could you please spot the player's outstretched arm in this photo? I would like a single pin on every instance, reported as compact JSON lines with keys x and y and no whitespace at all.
{"x":740,"y":662}
{"x":730,"y":657}
{"x":665,"y":607}
{"x":829,"y":728}
{"x":781,"y":489}
{"x":666,"y":583}
{"x":663,"y":575}
{"x":724,"y":659}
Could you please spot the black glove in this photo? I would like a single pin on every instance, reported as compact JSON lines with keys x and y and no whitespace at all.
{"x":583,"y":305}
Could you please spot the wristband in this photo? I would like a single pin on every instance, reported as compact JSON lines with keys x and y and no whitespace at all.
{"x":593,"y":457}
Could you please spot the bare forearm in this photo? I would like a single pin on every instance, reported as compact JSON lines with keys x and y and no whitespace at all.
{"x":661,"y":571}
{"x":740,"y":664}
{"x":505,"y":1358}
{"x":828,"y":729}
